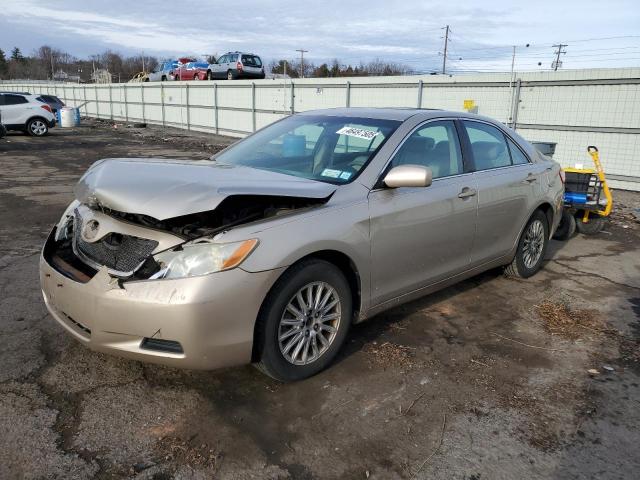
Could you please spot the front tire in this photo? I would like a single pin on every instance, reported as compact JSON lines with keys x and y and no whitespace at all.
{"x":304,"y":321}
{"x":209,"y":75}
{"x":531,"y":247}
{"x":37,"y":127}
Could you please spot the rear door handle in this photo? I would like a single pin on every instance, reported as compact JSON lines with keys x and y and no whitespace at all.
{"x":530,"y":178}
{"x":467,"y":192}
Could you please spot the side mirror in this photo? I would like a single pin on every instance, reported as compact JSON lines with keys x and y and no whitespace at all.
{"x":408,"y":176}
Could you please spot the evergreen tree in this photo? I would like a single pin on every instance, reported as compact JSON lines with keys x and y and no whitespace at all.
{"x":4,"y":67}
{"x":16,"y":54}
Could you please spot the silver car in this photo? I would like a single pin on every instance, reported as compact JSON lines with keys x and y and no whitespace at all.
{"x":269,"y":252}
{"x":236,"y":65}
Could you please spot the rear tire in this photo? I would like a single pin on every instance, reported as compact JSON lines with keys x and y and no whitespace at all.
{"x":229,"y":75}
{"x":531,"y":249}
{"x":37,"y":127}
{"x":594,"y":224}
{"x":293,"y":346}
{"x":567,"y":227}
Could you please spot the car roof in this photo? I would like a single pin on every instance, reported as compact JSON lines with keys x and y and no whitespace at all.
{"x":396,"y":113}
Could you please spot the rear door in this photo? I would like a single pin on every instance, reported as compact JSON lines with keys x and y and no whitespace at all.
{"x":420,"y":236}
{"x":508,"y":185}
{"x":251,"y":64}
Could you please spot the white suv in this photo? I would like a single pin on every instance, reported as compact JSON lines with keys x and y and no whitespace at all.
{"x":23,"y":111}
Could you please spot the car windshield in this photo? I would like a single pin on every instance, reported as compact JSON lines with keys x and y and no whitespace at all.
{"x":251,"y":61}
{"x":330,"y":149}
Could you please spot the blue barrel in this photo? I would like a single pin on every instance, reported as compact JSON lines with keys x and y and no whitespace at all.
{"x":575,"y":197}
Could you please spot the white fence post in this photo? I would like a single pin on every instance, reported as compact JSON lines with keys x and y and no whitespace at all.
{"x":215,"y":106}
{"x":253,"y":106}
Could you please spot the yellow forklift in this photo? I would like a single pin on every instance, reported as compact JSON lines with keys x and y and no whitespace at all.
{"x":587,"y":199}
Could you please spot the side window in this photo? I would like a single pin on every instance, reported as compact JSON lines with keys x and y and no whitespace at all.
{"x":222,"y":59}
{"x":434,"y":145}
{"x":488,"y":146}
{"x":1,"y":99}
{"x":517,"y":157}
{"x":14,"y":100}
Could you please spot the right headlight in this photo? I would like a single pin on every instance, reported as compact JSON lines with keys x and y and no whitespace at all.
{"x":202,"y":258}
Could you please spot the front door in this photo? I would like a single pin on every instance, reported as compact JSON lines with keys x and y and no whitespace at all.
{"x":14,"y":109}
{"x":420,"y":236}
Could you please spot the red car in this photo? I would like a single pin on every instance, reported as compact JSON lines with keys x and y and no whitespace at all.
{"x":190,"y":69}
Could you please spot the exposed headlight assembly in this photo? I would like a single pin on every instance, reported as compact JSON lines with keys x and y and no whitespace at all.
{"x":202,"y":258}
{"x":64,"y":224}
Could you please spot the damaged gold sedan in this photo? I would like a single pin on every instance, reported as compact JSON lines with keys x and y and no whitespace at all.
{"x":270,"y":251}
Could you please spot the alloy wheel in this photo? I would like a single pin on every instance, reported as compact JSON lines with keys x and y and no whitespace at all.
{"x":38,"y":128}
{"x":533,"y":244}
{"x":309,"y":323}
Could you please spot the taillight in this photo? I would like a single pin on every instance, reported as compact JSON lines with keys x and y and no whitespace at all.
{"x":562,"y":177}
{"x":47,"y":108}
{"x":239,"y":66}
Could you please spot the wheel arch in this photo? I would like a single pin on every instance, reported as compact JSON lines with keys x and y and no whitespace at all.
{"x":343,"y":262}
{"x":36,"y":117}
{"x":547,"y":209}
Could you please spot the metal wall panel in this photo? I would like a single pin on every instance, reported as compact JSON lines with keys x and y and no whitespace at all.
{"x":574,"y":108}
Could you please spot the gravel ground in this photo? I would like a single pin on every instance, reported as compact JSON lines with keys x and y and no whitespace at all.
{"x":492,"y":378}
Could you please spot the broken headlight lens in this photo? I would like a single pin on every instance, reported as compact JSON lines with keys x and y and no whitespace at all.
{"x":202,"y":258}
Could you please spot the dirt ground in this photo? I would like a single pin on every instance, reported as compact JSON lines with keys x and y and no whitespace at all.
{"x":489,"y":379}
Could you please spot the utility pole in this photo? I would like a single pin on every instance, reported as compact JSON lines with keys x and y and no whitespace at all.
{"x":302,"y":52}
{"x":556,"y":63}
{"x":446,"y":45}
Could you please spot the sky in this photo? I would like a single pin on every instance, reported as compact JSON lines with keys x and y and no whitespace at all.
{"x":598,"y":33}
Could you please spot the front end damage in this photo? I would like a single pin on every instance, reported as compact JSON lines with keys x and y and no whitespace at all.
{"x":161,"y":290}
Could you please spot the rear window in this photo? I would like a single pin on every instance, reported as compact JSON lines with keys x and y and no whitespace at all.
{"x":251,"y":61}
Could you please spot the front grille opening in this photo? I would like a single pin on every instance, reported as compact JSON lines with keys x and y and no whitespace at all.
{"x":160,"y":345}
{"x":118,"y":252}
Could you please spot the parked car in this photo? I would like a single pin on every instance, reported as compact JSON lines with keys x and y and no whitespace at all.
{"x":236,"y":65}
{"x":54,"y":102}
{"x":270,"y":252}
{"x":192,"y":70}
{"x":26,"y":113}
{"x":163,"y":72}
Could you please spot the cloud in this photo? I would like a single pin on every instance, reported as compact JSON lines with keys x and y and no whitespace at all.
{"x":407,"y":32}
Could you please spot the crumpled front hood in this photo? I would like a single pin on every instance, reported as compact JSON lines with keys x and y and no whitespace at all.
{"x":165,"y":189}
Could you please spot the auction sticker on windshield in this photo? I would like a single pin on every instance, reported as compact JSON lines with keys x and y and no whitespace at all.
{"x":331,"y":173}
{"x":357,"y":132}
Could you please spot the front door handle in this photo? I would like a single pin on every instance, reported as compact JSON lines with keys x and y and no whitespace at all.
{"x":467,"y":192}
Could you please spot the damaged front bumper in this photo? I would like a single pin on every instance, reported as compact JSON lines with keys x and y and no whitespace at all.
{"x":202,"y":322}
